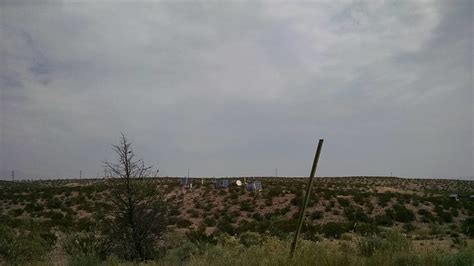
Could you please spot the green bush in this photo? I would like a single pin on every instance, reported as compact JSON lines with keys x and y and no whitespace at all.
{"x":395,"y":242}
{"x":317,"y":215}
{"x":409,"y":227}
{"x":250,"y":239}
{"x":383,"y":220}
{"x":384,"y":198}
{"x":334,"y":230}
{"x":21,"y":246}
{"x":468,"y":227}
{"x":183,"y":223}
{"x":15,"y":212}
{"x":208,"y":221}
{"x":199,"y":237}
{"x":426,"y":216}
{"x":366,"y":229}
{"x":247,"y":206}
{"x":445,"y":217}
{"x":356,"y":214}
{"x":402,"y":214}
{"x":368,"y":245}
{"x":343,"y":202}
{"x":85,"y":245}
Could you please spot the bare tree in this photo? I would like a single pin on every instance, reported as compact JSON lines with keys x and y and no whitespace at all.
{"x":138,"y":211}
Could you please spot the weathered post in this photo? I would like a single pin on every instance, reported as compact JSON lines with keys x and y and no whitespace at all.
{"x":306,"y":197}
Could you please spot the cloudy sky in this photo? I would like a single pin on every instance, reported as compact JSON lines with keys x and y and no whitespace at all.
{"x":238,"y":88}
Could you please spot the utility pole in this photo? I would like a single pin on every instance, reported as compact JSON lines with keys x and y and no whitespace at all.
{"x":306,"y":198}
{"x":13,"y":176}
{"x":80,"y":174}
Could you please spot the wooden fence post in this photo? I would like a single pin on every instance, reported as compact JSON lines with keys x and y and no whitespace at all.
{"x":306,"y":198}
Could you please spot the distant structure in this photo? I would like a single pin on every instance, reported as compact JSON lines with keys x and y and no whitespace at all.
{"x":221,"y":183}
{"x":186,"y":182}
{"x":454,"y":196}
{"x":471,"y":197}
{"x":254,"y":186}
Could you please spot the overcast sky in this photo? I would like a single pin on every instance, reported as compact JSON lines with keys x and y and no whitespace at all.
{"x":238,"y":88}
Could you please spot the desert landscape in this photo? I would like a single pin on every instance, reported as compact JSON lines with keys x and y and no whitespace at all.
{"x":354,"y":213}
{"x":181,"y":133}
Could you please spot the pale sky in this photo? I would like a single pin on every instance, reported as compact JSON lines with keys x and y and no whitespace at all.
{"x":238,"y":88}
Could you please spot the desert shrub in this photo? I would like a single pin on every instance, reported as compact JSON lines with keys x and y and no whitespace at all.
{"x":247,"y":206}
{"x":250,"y":239}
{"x":454,"y":212}
{"x":402,"y":214}
{"x":366,"y":229}
{"x":444,"y":217}
{"x":83,"y":244}
{"x":208,"y":207}
{"x":327,"y":208}
{"x":426,"y":216}
{"x":395,"y":242}
{"x":268,"y":202}
{"x":174,"y":211}
{"x":368,"y":245}
{"x":21,"y":246}
{"x":234,"y":194}
{"x":334,"y":230}
{"x":224,"y":224}
{"x":280,"y":227}
{"x":359,"y":198}
{"x":370,"y":207}
{"x":200,"y":236}
{"x":54,"y":203}
{"x":83,"y":224}
{"x":468,"y":227}
{"x":297,"y":201}
{"x":356,"y":214}
{"x":15,"y":212}
{"x":208,"y":221}
{"x":383,"y":220}
{"x":54,"y":215}
{"x":273,"y":192}
{"x":257,"y":216}
{"x":194,"y":213}
{"x":226,"y":227}
{"x":415,"y":202}
{"x":384,"y":199}
{"x":435,"y":229}
{"x":183,"y":223}
{"x":343,"y":202}
{"x":317,"y":215}
{"x":33,"y":207}
{"x":409,"y":227}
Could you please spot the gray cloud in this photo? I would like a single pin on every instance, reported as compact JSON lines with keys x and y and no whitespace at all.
{"x":238,"y":88}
